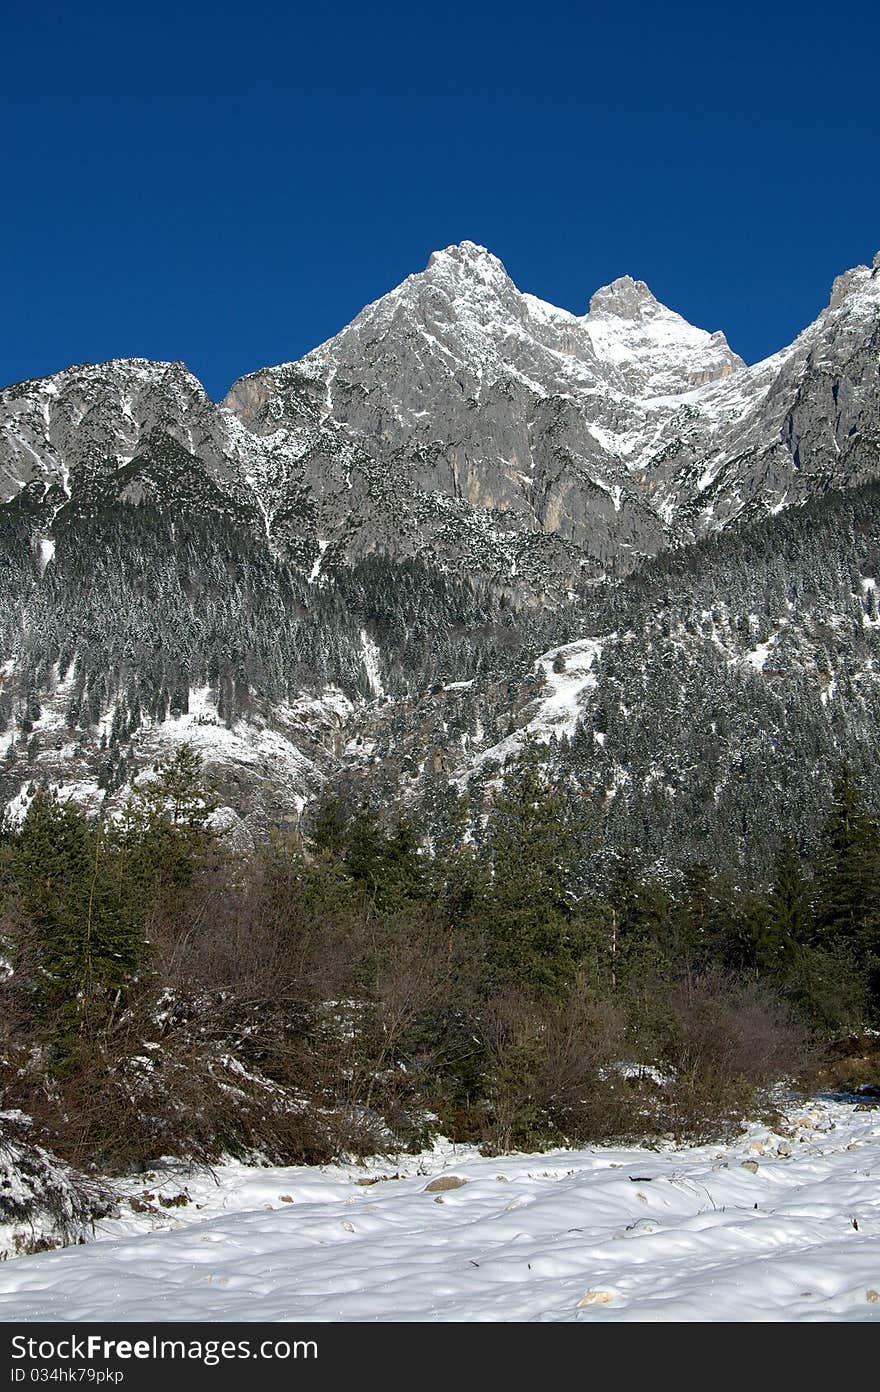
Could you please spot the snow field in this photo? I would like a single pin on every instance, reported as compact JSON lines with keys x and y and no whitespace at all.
{"x":777,"y":1226}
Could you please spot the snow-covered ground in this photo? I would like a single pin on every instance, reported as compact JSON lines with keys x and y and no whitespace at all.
{"x":780,"y":1225}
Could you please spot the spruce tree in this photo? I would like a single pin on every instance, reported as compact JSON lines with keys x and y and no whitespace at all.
{"x":534,"y":935}
{"x":385,"y":860}
{"x":847,"y":870}
{"x":79,"y":951}
{"x":785,"y":923}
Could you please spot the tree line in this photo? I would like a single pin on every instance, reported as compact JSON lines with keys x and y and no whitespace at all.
{"x":369,"y":983}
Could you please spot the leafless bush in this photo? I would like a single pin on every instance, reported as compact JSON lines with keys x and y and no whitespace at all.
{"x":723,"y":1041}
{"x":552,"y":1074}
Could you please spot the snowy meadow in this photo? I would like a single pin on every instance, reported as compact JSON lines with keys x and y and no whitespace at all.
{"x":781,"y":1224}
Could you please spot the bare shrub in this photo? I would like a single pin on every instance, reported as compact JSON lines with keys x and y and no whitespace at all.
{"x":551,"y":1072}
{"x":722,"y":1041}
{"x":373,"y":1055}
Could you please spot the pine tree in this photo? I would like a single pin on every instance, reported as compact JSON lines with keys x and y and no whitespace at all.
{"x":630,"y":925}
{"x":329,"y":827}
{"x":847,"y":870}
{"x":176,"y":794}
{"x":534,"y":935}
{"x":79,"y":952}
{"x":164,"y":839}
{"x":699,"y":922}
{"x":386,"y":860}
{"x":785,"y":922}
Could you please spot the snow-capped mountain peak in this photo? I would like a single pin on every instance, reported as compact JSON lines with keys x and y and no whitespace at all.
{"x":658,"y":352}
{"x":624,"y":298}
{"x":612,"y":432}
{"x":469,"y":257}
{"x":616,"y":429}
{"x":463,"y":320}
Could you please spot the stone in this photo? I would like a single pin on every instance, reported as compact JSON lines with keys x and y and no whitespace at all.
{"x":444,"y":1182}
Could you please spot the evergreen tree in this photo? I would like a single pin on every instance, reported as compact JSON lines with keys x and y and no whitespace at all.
{"x":847,"y":870}
{"x":386,"y":860}
{"x":785,"y":923}
{"x":79,"y":952}
{"x":162,"y":841}
{"x":534,"y":935}
{"x":629,"y":926}
{"x":329,"y":827}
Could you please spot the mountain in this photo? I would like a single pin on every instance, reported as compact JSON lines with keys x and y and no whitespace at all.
{"x":349,"y":569}
{"x":463,"y":420}
{"x":621,"y":430}
{"x":487,"y":396}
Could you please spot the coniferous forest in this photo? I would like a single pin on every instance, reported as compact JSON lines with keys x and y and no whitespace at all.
{"x":365,"y":986}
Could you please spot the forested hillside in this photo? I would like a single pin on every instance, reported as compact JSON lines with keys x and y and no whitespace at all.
{"x":468,"y":729}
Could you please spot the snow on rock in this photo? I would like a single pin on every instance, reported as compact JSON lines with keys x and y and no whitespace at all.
{"x":83,"y":792}
{"x":265,"y":755}
{"x":244,"y":743}
{"x":600,"y":1234}
{"x":332,"y":709}
{"x":562,"y":707}
{"x":46,"y":553}
{"x":757,"y":657}
{"x":567,"y":674}
{"x":371,"y":657}
{"x":644,"y":405}
{"x":656,"y":349}
{"x":318,"y":561}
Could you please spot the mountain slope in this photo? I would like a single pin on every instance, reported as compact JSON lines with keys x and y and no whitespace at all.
{"x":620,"y":430}
{"x":459,"y":419}
{"x":350,"y":568}
{"x":690,"y":711}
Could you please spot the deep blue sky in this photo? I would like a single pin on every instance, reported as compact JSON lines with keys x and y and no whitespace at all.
{"x":231,"y":184}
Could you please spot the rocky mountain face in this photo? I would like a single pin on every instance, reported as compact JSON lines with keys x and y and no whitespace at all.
{"x":278,"y":577}
{"x":488,"y":397}
{"x":460,"y":419}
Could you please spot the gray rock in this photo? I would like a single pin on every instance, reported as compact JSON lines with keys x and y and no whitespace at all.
{"x":444,"y":1182}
